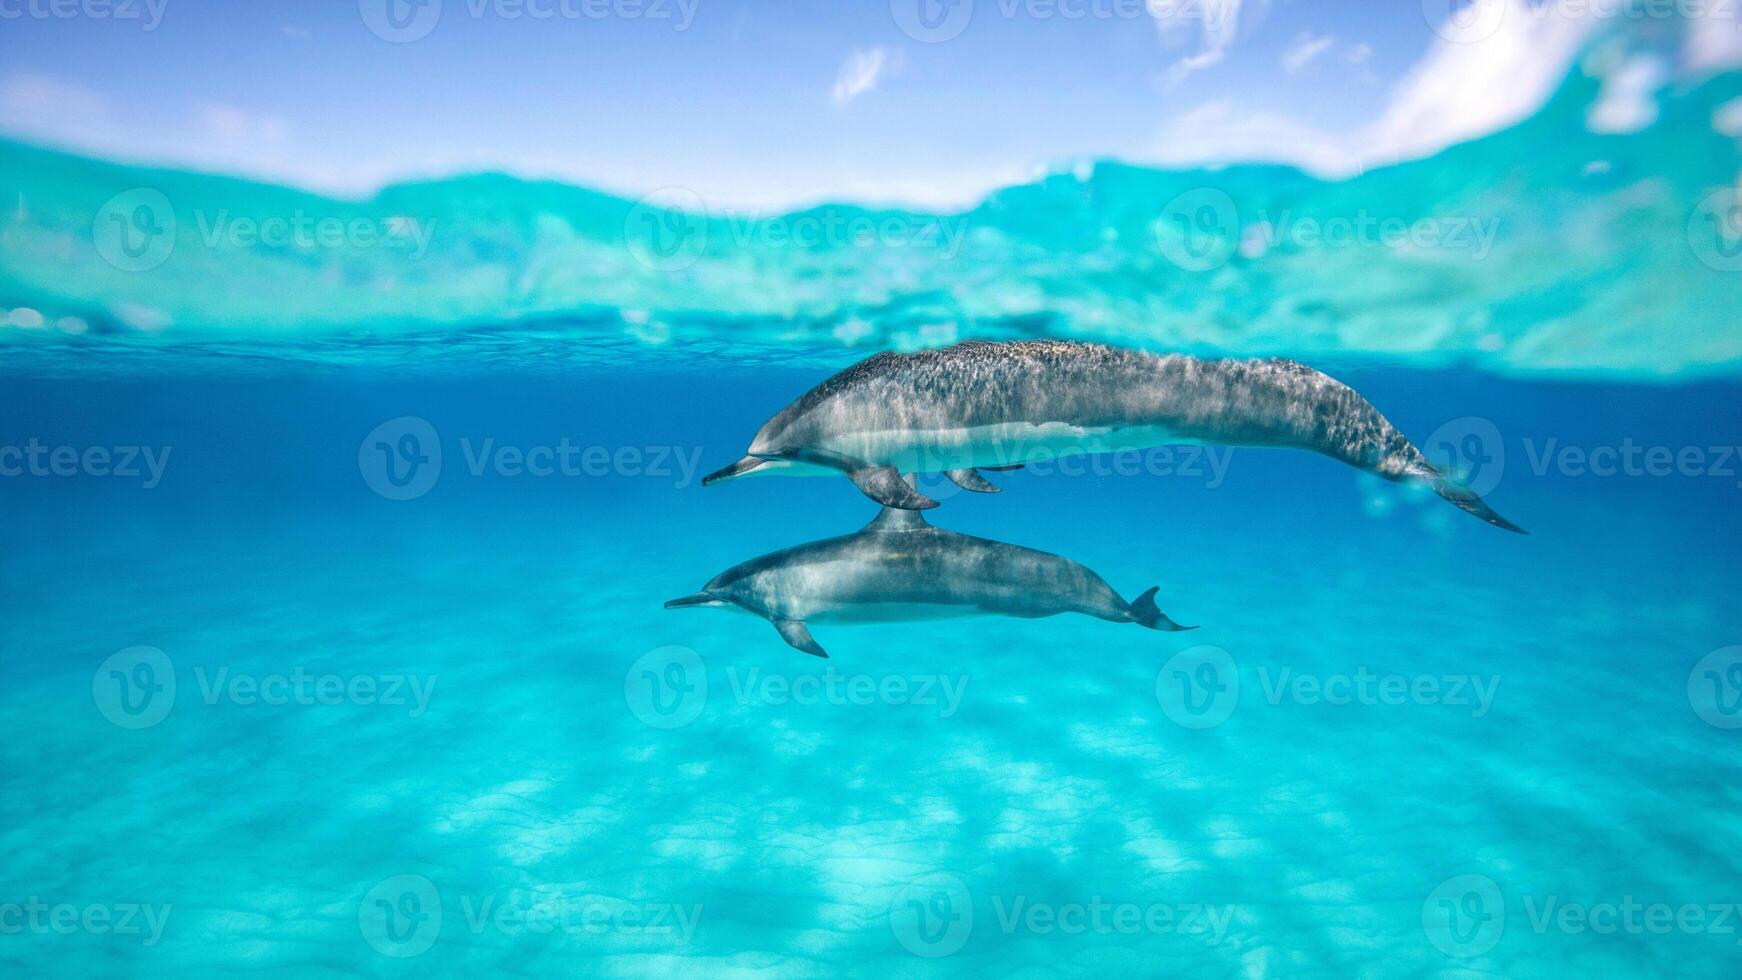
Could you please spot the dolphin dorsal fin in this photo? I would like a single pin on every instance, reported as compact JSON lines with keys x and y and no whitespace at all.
{"x":896,"y":519}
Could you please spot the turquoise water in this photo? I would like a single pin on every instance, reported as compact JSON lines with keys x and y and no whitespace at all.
{"x":276,"y":703}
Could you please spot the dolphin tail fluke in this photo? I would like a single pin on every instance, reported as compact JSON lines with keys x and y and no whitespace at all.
{"x":799,"y":637}
{"x":1144,"y":612}
{"x":1463,"y":497}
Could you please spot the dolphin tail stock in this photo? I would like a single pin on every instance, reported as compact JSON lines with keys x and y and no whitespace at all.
{"x":1144,"y":612}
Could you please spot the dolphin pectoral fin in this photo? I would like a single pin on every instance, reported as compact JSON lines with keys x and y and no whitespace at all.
{"x":799,"y":637}
{"x":885,"y":485}
{"x":1144,"y":612}
{"x":881,"y":483}
{"x":970,"y":479}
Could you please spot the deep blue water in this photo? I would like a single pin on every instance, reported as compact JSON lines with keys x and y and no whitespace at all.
{"x":570,"y":794}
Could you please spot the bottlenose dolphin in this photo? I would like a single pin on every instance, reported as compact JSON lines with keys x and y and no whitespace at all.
{"x":983,"y":405}
{"x":900,"y":568}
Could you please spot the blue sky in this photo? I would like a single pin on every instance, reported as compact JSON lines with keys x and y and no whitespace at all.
{"x":751,"y":102}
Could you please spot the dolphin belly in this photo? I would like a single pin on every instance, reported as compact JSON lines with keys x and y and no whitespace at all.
{"x":998,"y":444}
{"x":895,"y":612}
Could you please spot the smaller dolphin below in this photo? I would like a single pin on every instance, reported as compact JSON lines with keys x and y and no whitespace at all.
{"x":900,"y":568}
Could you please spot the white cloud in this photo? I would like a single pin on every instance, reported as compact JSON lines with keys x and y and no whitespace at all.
{"x":40,"y":107}
{"x":1463,"y":89}
{"x":1216,"y":22}
{"x":31,"y":93}
{"x":860,"y":73}
{"x":1303,"y":50}
{"x":230,"y":125}
{"x":1714,"y":40}
{"x":1727,"y":118}
{"x":1460,"y":90}
{"x":1627,"y":101}
{"x":1222,"y":132}
{"x":1359,"y":54}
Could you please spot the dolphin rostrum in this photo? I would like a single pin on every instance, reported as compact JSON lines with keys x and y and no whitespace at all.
{"x":900,"y":568}
{"x":984,"y":405}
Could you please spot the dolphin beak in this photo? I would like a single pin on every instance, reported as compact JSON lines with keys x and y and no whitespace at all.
{"x":734,"y":471}
{"x":699,"y":599}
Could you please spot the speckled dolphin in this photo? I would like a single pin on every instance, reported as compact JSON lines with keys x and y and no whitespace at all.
{"x":981,"y":405}
{"x":900,"y":568}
